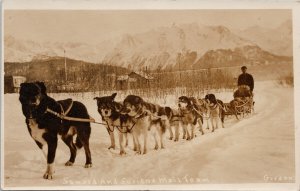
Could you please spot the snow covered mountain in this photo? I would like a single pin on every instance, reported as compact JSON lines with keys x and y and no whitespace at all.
{"x":162,"y":47}
{"x":249,"y":55}
{"x":17,"y":50}
{"x":277,"y":40}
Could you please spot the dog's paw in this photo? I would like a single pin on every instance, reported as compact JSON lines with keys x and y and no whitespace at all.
{"x":207,"y":128}
{"x":156,"y":147}
{"x":122,"y":153}
{"x":49,"y":172}
{"x":188,"y":137}
{"x":69,"y":163}
{"x":134,"y":149}
{"x":88,"y":165}
{"x":176,"y":139}
{"x":171,"y":138}
{"x":48,"y":175}
{"x":162,"y":147}
{"x":138,"y":152}
{"x":145,"y":152}
{"x":112,"y":147}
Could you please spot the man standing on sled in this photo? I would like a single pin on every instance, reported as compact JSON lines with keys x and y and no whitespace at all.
{"x":246,"y":79}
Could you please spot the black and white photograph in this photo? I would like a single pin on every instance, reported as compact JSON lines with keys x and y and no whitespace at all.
{"x":148,"y":96}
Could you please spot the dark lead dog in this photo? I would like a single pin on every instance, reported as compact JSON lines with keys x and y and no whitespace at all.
{"x":44,"y":126}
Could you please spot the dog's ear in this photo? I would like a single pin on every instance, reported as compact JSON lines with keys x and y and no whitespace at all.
{"x":192,"y":100}
{"x":138,"y":100}
{"x":22,"y":86}
{"x":118,"y":106}
{"x":42,"y":86}
{"x":113,"y":96}
{"x":213,"y":98}
{"x":169,"y":111}
{"x":207,"y":101}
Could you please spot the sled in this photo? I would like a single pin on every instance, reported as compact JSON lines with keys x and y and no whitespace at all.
{"x":242,"y":104}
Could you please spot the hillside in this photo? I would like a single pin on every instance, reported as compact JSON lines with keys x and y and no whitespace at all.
{"x":247,"y":55}
{"x":51,"y":70}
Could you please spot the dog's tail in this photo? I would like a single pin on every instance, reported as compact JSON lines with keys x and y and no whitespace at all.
{"x":169,"y":112}
{"x":223,"y":110}
{"x":78,"y":143}
{"x":201,"y":119}
{"x":222,"y":105}
{"x":164,"y":125}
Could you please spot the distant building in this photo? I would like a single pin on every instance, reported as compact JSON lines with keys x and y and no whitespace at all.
{"x":110,"y":81}
{"x":71,"y":87}
{"x":134,"y":80}
{"x":12,"y":84}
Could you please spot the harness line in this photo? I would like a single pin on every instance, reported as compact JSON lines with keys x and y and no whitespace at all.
{"x":64,"y":116}
{"x":245,"y":103}
{"x":199,"y":113}
{"x":91,"y":120}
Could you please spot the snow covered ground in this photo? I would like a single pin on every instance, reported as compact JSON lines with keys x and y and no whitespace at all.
{"x":257,"y":149}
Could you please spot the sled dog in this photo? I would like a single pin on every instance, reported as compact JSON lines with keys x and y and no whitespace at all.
{"x":109,"y":110}
{"x":44,"y":126}
{"x":175,"y":118}
{"x":147,"y":117}
{"x":189,"y":111}
{"x":216,"y":111}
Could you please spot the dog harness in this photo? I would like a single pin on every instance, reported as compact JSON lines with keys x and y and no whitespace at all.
{"x":68,"y":109}
{"x":63,"y":114}
{"x":128,"y":130}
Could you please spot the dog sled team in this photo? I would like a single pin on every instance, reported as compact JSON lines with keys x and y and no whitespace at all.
{"x":47,"y":118}
{"x":142,"y":119}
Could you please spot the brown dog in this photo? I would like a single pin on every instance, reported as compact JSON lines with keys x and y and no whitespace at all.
{"x":147,"y":117}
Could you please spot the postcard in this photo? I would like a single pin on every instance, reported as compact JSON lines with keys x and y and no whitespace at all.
{"x":150,"y":95}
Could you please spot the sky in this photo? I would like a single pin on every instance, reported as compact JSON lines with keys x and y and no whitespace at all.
{"x":95,"y":26}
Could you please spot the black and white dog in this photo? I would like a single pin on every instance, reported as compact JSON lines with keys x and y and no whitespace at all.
{"x":44,"y":126}
{"x":217,"y":110}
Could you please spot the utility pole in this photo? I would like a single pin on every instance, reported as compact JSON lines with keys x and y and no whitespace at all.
{"x":66,"y":75}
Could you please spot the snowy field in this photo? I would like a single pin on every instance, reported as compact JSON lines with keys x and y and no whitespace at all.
{"x":256,"y":149}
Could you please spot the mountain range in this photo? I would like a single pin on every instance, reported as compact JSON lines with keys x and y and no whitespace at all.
{"x":277,"y":40}
{"x":184,"y":46}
